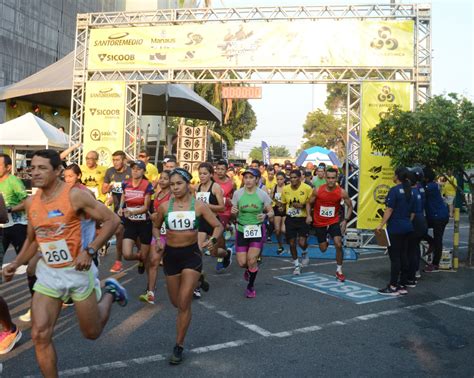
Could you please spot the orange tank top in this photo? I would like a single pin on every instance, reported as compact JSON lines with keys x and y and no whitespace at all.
{"x":57,"y":228}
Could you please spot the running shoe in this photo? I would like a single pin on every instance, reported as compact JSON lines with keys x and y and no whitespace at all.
{"x":148,"y":297}
{"x":103,"y":251}
{"x":206,"y":252}
{"x":340,"y":276}
{"x":402,"y":290}
{"x":280,"y":251}
{"x":411,"y":284}
{"x":431,"y":268}
{"x":141,"y":267}
{"x":220,"y":265}
{"x":297,"y":270}
{"x":228,"y":259}
{"x":417,"y":275}
{"x":389,"y":290}
{"x":227,"y":235}
{"x":8,"y":340}
{"x":203,"y":283}
{"x":113,"y":287}
{"x":177,"y":356}
{"x":305,"y":259}
{"x":269,"y":238}
{"x":197,"y":294}
{"x":246,"y":275}
{"x":117,"y":267}
{"x":250,"y":293}
{"x":26,"y":317}
{"x":68,"y":303}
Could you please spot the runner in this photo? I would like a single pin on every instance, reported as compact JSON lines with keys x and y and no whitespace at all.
{"x":134,"y":206}
{"x":249,"y":207}
{"x":327,"y":210}
{"x":212,"y":195}
{"x":279,"y":210}
{"x":296,"y":197}
{"x":182,"y":258}
{"x":156,"y":254}
{"x":65,"y":270}
{"x":227,"y":185}
{"x":113,"y":184}
{"x":93,"y":175}
{"x":320,"y":176}
{"x":151,"y":172}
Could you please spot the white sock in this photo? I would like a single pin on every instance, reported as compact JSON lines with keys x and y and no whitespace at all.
{"x":296,"y":262}
{"x":339,"y":268}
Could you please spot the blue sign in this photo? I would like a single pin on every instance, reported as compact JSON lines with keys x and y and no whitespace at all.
{"x":326,"y":284}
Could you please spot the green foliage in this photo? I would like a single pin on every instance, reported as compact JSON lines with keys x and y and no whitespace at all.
{"x":439,"y":134}
{"x":243,"y":119}
{"x":323,"y":130}
{"x":275,"y":152}
{"x":337,"y":97}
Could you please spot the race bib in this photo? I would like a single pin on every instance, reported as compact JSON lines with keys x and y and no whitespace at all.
{"x":117,"y":187}
{"x":203,"y":196}
{"x":56,"y":252}
{"x":278,"y":196}
{"x":252,"y":231}
{"x":292,"y":212}
{"x":327,"y":211}
{"x":163,"y":229}
{"x":136,"y":217}
{"x":181,"y":220}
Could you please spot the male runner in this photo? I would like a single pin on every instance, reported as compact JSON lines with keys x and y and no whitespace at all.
{"x":296,"y":196}
{"x":93,"y":175}
{"x":113,"y":184}
{"x":320,"y":177}
{"x":65,"y":270}
{"x":151,"y":172}
{"x":327,"y":208}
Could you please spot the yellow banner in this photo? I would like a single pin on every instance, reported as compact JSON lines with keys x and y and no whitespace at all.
{"x":376,"y":174}
{"x":104,"y":119}
{"x":326,"y":43}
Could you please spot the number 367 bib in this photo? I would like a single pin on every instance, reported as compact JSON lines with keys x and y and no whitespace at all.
{"x":252,"y":231}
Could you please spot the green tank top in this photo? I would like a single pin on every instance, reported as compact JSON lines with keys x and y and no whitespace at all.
{"x":250,"y":205}
{"x":183,"y":220}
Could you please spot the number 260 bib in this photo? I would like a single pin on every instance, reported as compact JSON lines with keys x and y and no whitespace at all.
{"x":56,"y":252}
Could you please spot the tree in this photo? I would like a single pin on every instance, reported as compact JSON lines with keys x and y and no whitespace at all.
{"x":240,"y":119}
{"x":438,"y":134}
{"x":275,"y":151}
{"x":324,"y":130}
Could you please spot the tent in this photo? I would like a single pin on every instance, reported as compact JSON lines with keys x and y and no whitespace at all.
{"x":318,"y":155}
{"x":30,"y":132}
{"x":52,"y":86}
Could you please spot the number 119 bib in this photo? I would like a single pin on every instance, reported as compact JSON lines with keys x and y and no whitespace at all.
{"x":181,"y":220}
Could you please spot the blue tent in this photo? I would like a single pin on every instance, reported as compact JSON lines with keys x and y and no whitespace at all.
{"x":318,"y":155}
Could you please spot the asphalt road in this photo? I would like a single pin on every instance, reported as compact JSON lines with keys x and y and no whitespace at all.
{"x":288,"y":330}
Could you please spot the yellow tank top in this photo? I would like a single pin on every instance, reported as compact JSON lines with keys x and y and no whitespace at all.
{"x":57,"y":228}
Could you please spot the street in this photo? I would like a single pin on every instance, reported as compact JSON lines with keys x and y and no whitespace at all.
{"x":307,"y":326}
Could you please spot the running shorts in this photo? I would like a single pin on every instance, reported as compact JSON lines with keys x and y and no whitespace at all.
{"x":296,"y":227}
{"x":279,"y":212}
{"x":176,"y":259}
{"x":322,"y":232}
{"x":66,"y":283}
{"x":242,"y":244}
{"x":138,"y":229}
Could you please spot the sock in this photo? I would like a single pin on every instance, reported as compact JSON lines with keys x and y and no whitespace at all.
{"x":339,"y":268}
{"x":296,"y":262}
{"x":31,"y":283}
{"x":252,"y":275}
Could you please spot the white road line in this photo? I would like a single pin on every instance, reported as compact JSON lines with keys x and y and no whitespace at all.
{"x":332,"y":262}
{"x":253,"y":327}
{"x":237,"y":343}
{"x":457,"y":306}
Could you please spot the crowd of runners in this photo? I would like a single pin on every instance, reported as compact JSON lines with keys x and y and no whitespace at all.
{"x":171,"y":219}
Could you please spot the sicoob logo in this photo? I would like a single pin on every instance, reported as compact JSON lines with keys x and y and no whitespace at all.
{"x":384,"y":40}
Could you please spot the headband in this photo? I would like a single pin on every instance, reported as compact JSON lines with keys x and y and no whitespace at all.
{"x":183,"y":173}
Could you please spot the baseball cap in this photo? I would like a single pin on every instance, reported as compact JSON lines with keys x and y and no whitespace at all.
{"x":253,"y":171}
{"x":140,"y":164}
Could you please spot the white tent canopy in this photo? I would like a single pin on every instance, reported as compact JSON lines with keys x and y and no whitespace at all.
{"x":30,"y":132}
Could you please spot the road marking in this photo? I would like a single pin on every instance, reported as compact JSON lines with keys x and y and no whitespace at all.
{"x":252,"y":327}
{"x":240,"y":342}
{"x":331,"y":262}
{"x":457,"y":306}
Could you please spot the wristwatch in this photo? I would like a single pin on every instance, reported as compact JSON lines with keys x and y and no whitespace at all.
{"x":91,"y":251}
{"x":213,"y":240}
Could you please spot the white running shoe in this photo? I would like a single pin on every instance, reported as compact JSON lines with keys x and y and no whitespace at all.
{"x":297,"y":270}
{"x":305,"y":259}
{"x":26,"y":317}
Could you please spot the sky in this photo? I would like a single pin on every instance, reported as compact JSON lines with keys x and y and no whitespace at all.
{"x":283,"y":108}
